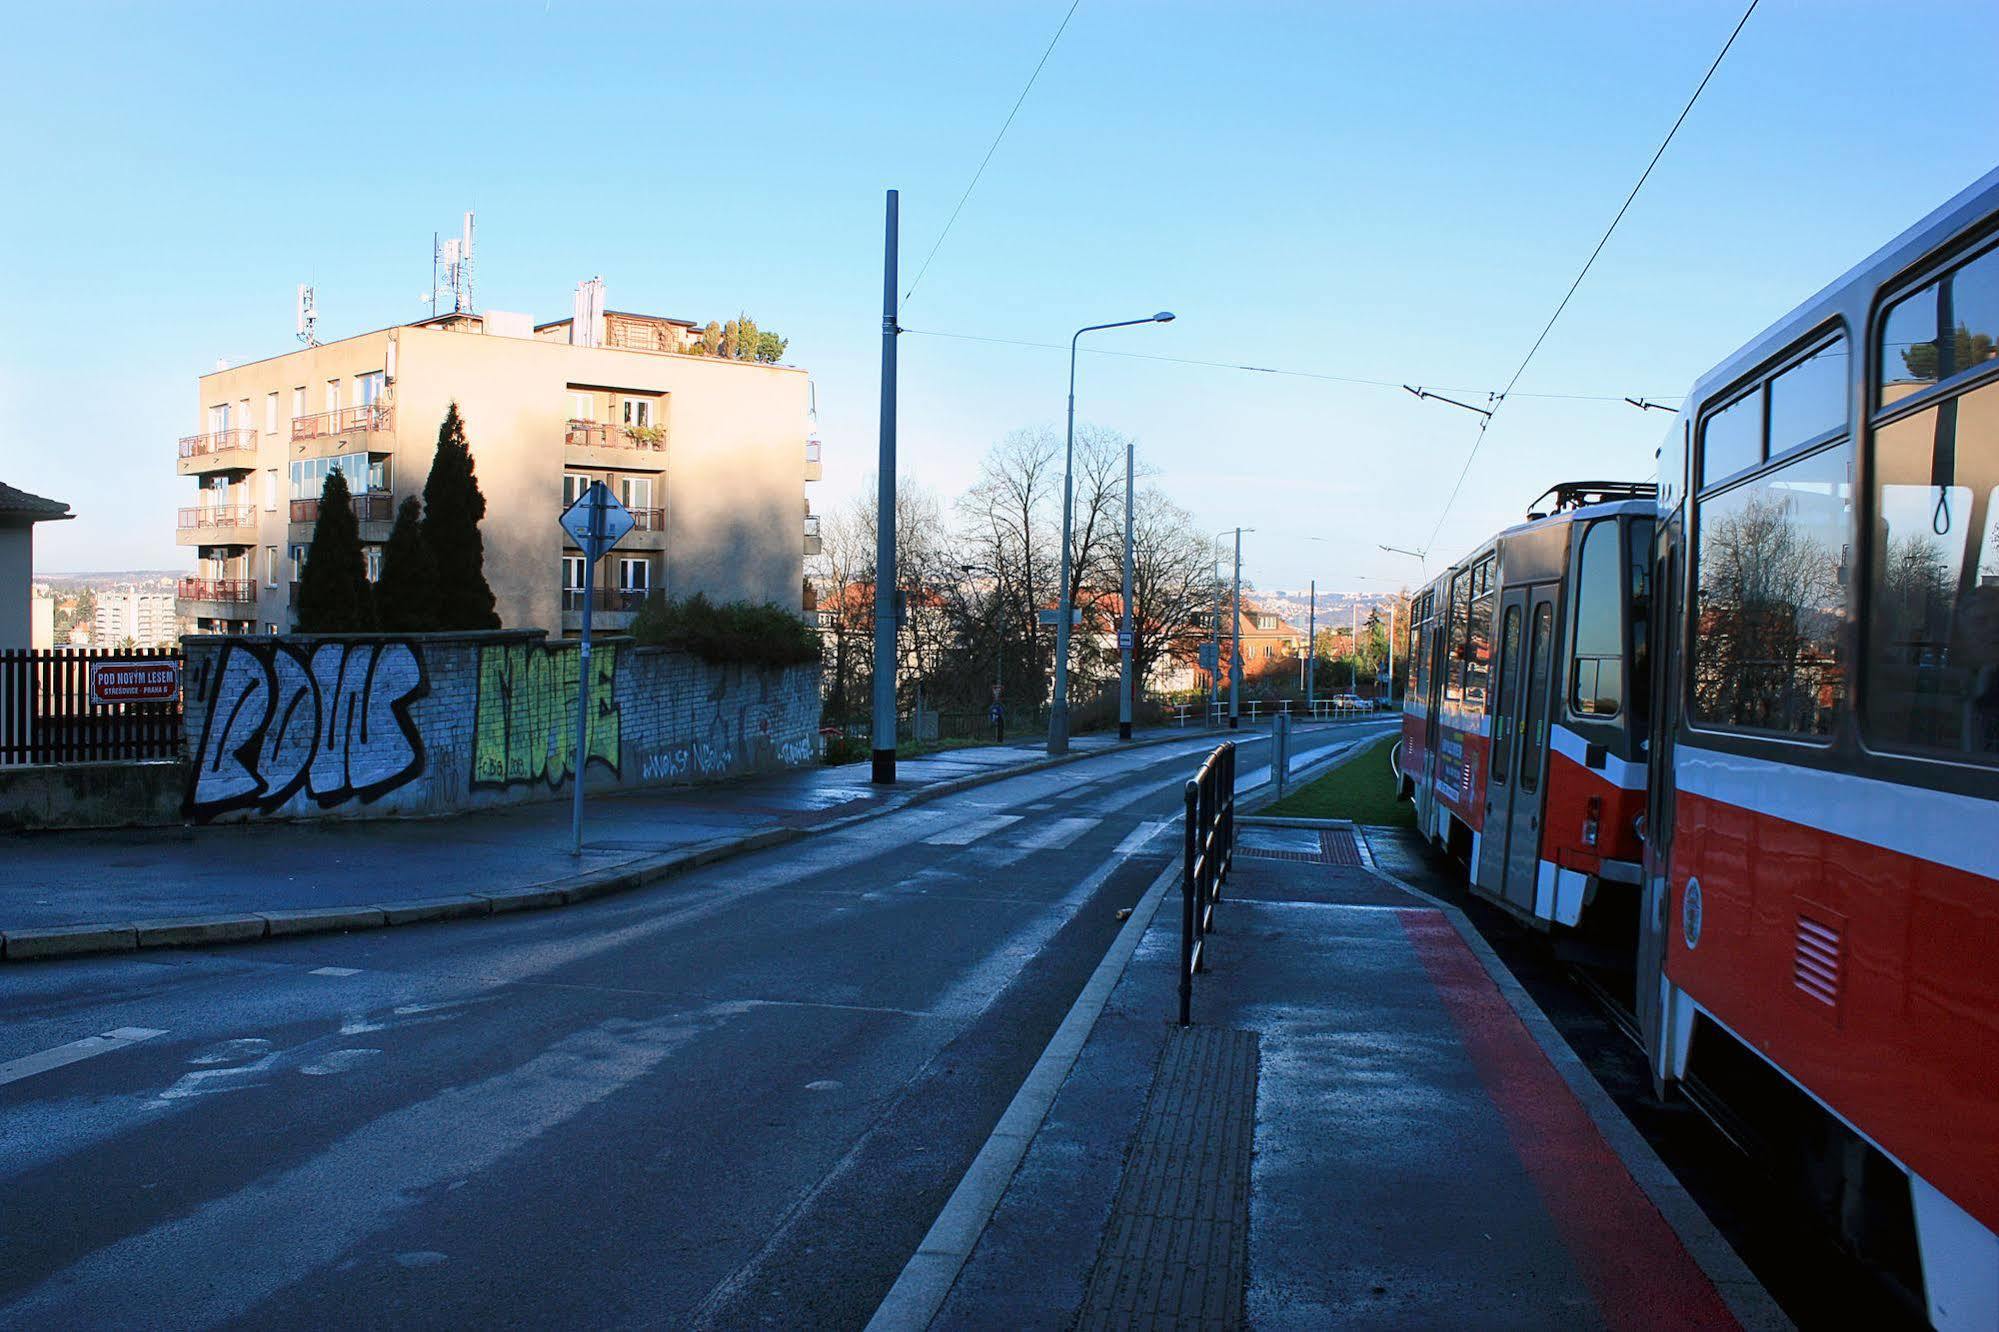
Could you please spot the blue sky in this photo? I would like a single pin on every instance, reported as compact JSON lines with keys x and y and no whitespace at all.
{"x":1380,"y":191}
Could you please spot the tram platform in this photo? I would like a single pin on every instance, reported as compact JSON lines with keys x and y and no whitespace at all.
{"x":1367,"y":1123}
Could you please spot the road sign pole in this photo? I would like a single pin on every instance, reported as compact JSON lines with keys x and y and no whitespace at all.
{"x":882,"y":734}
{"x":581,"y":755}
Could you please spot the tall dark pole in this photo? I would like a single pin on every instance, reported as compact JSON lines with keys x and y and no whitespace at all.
{"x":885,"y":584}
{"x":1126,"y":701}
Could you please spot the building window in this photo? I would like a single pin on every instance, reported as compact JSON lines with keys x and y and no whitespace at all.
{"x":1933,"y":623}
{"x":271,"y":487}
{"x":218,"y":418}
{"x":367,"y":388}
{"x":270,"y":566}
{"x":332,"y":395}
{"x":371,"y":562}
{"x":582,"y":406}
{"x":1770,"y":573}
{"x":298,"y":402}
{"x":573,"y":486}
{"x":634,"y":574}
{"x":635,"y":492}
{"x":638,"y":412}
{"x":271,"y":412}
{"x":298,"y":563}
{"x":1596,"y":676}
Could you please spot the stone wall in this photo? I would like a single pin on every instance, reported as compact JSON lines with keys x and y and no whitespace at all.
{"x":302,"y":726}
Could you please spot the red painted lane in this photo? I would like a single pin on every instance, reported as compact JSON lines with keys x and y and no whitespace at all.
{"x":1638,"y":1271}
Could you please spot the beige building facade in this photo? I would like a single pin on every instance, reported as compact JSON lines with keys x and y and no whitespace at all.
{"x":711,"y":455}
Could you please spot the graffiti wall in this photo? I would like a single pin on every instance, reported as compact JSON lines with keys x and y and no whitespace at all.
{"x":297,"y":727}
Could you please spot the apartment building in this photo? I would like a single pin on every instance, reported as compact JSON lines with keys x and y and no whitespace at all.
{"x":143,"y":618}
{"x":710,"y":454}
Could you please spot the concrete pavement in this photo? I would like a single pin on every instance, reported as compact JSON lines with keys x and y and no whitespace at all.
{"x":1367,"y":1124}
{"x":108,"y":891}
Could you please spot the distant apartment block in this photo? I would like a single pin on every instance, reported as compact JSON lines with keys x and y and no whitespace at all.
{"x":711,"y":455}
{"x":142,"y":618}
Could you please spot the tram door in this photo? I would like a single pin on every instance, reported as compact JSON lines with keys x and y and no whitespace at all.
{"x":1520,"y":739}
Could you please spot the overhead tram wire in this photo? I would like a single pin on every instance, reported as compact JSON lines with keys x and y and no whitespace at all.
{"x":993,"y":148}
{"x":1587,"y":264}
{"x":1254,"y":369}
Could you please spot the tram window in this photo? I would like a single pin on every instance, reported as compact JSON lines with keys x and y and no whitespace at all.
{"x":1596,"y":685}
{"x":1770,"y":597}
{"x":1478,"y":653}
{"x":1532,"y":729}
{"x":1913,"y":356}
{"x":1732,"y":439}
{"x":1809,"y":400}
{"x":1455,"y":639}
{"x":1640,"y":537}
{"x":1933,"y":618}
{"x":1509,"y":687}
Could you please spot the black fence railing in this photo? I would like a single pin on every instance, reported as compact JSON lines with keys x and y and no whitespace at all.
{"x":1210,"y":851}
{"x":48,"y":713}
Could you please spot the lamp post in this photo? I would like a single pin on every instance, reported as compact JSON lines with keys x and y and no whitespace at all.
{"x":1058,"y":712}
{"x":1422,"y":558}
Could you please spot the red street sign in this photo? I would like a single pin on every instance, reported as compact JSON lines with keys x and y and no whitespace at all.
{"x":135,"y":681}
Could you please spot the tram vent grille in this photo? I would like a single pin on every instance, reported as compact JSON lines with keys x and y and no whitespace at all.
{"x":1815,"y":968}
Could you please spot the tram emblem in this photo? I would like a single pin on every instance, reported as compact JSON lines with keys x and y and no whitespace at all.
{"x":1690,"y":914}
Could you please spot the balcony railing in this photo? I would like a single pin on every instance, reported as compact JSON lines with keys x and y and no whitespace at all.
{"x":217,"y":441}
{"x":648,"y":520}
{"x":344,"y":421}
{"x":370,"y":506}
{"x":217,"y":589}
{"x":812,"y":526}
{"x":614,"y":599}
{"x":614,"y":435}
{"x":221,"y":515}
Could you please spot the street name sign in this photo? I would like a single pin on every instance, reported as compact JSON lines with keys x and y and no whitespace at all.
{"x":1050,"y":617}
{"x":141,"y":681}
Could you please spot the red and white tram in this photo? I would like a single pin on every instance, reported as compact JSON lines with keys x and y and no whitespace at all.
{"x":1791,"y":771}
{"x":1524,"y":730}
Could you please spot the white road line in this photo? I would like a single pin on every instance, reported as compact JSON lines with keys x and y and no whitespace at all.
{"x":87,"y":1048}
{"x":971,"y":830}
{"x":1055,"y":835}
{"x":1137,"y":839}
{"x":334,"y":971}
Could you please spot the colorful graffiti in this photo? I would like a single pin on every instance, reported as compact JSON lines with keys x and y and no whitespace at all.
{"x":524,"y":728}
{"x":331,"y":720}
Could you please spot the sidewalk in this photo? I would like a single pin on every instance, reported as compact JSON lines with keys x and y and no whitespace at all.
{"x":98,"y":891}
{"x":1367,"y":1123}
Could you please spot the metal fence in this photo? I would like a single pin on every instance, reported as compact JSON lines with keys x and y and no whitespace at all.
{"x":47,"y":714}
{"x":1209,"y":854}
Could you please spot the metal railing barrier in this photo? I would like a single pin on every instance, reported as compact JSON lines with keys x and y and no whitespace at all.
{"x":1209,"y":853}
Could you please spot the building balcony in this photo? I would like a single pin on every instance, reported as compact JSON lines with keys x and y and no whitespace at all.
{"x":613,"y":609}
{"x":218,"y":525}
{"x":611,"y":444}
{"x":218,"y":451}
{"x":373,"y":418}
{"x":813,"y":471}
{"x":374,"y":513}
{"x":234,"y":593}
{"x":812,"y":543}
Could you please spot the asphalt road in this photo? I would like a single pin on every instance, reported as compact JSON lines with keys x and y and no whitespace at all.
{"x":737,"y":1099}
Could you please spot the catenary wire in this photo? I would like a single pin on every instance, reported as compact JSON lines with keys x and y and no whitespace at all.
{"x":1587,"y":264}
{"x":993,"y":148}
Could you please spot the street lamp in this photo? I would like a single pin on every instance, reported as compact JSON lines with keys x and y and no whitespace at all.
{"x":1422,"y":558}
{"x":1058,"y":712}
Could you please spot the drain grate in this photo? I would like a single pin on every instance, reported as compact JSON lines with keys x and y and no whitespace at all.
{"x":1340,"y":847}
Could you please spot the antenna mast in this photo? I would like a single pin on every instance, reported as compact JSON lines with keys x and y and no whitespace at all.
{"x":308,"y":317}
{"x":454,"y":258}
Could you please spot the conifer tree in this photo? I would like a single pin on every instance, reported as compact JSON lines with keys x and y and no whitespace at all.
{"x":333,"y":592}
{"x":452,"y":508}
{"x":406,"y":593}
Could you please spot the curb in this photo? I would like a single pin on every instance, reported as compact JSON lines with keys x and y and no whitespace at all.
{"x":925,"y":1281}
{"x":38,"y":943}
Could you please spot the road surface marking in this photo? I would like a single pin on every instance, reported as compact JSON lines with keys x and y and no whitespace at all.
{"x":334,"y":971}
{"x":87,"y":1048}
{"x":1053,"y":836}
{"x":970,"y":830}
{"x":1136,"y":840}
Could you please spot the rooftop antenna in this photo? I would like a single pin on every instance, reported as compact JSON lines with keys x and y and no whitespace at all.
{"x":453,"y":258}
{"x":308,"y":317}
